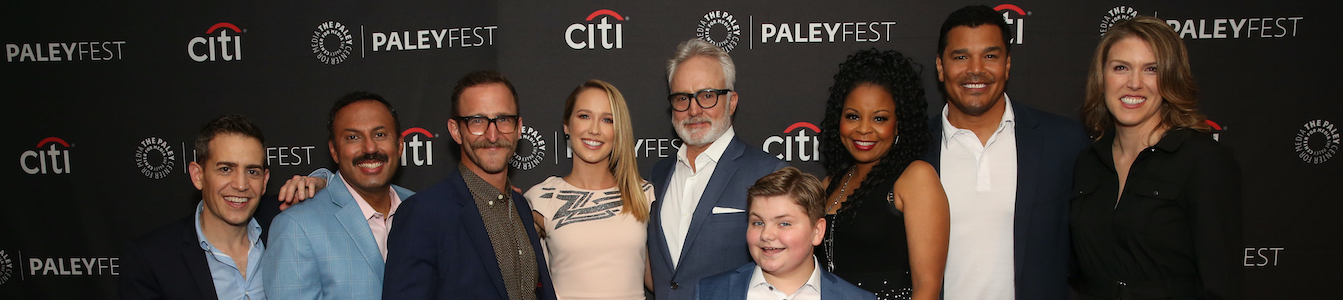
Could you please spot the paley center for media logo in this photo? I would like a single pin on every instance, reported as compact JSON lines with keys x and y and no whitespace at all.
{"x":804,"y":146}
{"x":415,"y":151}
{"x":223,"y":47}
{"x":789,"y":32}
{"x":155,"y":158}
{"x":532,"y":158}
{"x":47,"y":158}
{"x":333,"y":42}
{"x":1214,"y":28}
{"x":1317,"y":141}
{"x":599,"y":25}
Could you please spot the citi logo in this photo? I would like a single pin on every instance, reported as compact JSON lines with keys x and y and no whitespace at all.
{"x":413,"y":145}
{"x":1018,"y":23}
{"x":612,"y":35}
{"x":47,"y":161}
{"x":796,"y":146}
{"x":213,"y":48}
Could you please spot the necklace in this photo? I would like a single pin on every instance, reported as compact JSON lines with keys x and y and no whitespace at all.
{"x":830,"y":237}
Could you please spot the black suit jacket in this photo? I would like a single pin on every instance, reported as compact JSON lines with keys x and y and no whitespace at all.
{"x":170,"y":264}
{"x":1047,"y":148}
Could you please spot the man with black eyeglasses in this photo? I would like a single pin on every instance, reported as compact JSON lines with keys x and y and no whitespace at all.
{"x":470,"y":235}
{"x":698,"y":224}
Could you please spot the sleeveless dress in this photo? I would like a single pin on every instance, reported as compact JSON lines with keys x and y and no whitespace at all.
{"x":593,"y":250}
{"x":869,"y":247}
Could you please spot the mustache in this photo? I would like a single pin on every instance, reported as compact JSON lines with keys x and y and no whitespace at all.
{"x":378,"y":157}
{"x":698,"y":119}
{"x":483,"y":143}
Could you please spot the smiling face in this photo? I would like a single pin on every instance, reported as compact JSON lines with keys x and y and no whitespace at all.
{"x":232,"y":179}
{"x":867,"y":126}
{"x":591,"y":127}
{"x":1132,"y":93}
{"x":698,"y":126}
{"x":974,"y":68}
{"x":366,"y":146}
{"x":781,"y":236}
{"x":491,"y":150}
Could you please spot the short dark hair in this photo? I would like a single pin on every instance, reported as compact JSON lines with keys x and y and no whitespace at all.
{"x":229,"y":124}
{"x":351,"y":98}
{"x":804,"y":188}
{"x":478,"y":78}
{"x":973,"y":16}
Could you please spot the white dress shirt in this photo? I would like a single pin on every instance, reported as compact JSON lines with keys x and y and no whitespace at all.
{"x":761,"y":290}
{"x":981,"y":185}
{"x":685,"y":189}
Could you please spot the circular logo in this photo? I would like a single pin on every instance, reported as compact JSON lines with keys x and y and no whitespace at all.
{"x":6,"y":267}
{"x":1325,"y":137}
{"x":538,"y":152}
{"x":719,"y":18}
{"x":1116,"y":14}
{"x":155,"y":158}
{"x":344,"y":43}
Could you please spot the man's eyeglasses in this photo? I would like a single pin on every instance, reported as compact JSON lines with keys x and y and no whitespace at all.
{"x":478,"y":124}
{"x":706,"y":98}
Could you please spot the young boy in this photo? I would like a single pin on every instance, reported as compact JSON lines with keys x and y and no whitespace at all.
{"x":787,"y":220}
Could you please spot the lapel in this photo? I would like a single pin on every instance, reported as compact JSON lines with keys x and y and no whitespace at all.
{"x":356,"y":226}
{"x":829,"y":285}
{"x":195,"y":258}
{"x":722,"y":174}
{"x":934,"y":154}
{"x":740,"y":279}
{"x":474,"y":224}
{"x":1029,"y":152}
{"x":656,"y":235}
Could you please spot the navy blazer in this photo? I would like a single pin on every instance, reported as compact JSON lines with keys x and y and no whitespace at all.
{"x":1047,"y":148}
{"x":714,"y":242}
{"x":439,"y":249}
{"x":732,"y":285}
{"x":169,"y":263}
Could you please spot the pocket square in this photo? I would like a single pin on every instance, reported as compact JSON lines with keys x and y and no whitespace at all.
{"x":725,"y":210}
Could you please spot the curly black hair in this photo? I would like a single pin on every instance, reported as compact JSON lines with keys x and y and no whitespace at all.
{"x":899,"y":76}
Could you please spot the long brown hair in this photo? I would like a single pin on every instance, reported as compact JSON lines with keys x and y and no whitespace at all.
{"x":1178,"y":91}
{"x":623,"y":164}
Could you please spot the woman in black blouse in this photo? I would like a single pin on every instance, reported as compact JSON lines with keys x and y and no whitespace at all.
{"x":1157,"y":210}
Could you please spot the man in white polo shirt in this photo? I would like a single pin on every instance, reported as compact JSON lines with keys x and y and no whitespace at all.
{"x":1007,"y":170}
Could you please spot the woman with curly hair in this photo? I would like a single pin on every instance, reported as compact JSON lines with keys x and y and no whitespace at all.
{"x":887,"y":213}
{"x":1157,"y":208}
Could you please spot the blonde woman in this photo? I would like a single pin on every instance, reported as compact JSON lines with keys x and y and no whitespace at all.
{"x":594,"y":219}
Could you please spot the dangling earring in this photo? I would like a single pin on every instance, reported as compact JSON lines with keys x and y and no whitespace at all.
{"x":897,"y":140}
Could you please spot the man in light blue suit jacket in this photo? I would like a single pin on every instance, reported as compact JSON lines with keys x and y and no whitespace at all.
{"x":733,"y":285}
{"x":333,"y":246}
{"x":697,"y":226}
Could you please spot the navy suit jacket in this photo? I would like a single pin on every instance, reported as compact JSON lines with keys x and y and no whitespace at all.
{"x":1047,"y":148}
{"x":714,"y":242}
{"x":439,"y":249}
{"x":732,"y":285}
{"x":169,"y":263}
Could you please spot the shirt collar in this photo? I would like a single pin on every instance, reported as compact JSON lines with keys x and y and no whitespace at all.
{"x":367,"y":209}
{"x":715,"y":150}
{"x":253,"y":229}
{"x":949,"y":131}
{"x":479,"y":187}
{"x":758,"y":277}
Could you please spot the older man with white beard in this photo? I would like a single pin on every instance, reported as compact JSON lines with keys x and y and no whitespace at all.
{"x":698,"y":225}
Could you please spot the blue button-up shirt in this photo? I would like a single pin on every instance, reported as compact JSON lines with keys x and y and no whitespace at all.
{"x":229,"y":283}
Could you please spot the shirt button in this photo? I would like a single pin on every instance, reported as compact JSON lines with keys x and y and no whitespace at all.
{"x":491,"y":203}
{"x":501,"y":197}
{"x":674,"y":285}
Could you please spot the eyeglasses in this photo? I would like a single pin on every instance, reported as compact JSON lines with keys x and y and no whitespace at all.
{"x":478,"y":124}
{"x":707,"y":99}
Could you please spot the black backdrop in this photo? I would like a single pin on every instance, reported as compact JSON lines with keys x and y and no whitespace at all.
{"x":104,"y":99}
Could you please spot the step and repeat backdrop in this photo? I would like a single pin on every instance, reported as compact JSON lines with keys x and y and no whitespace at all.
{"x":103,"y":100}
